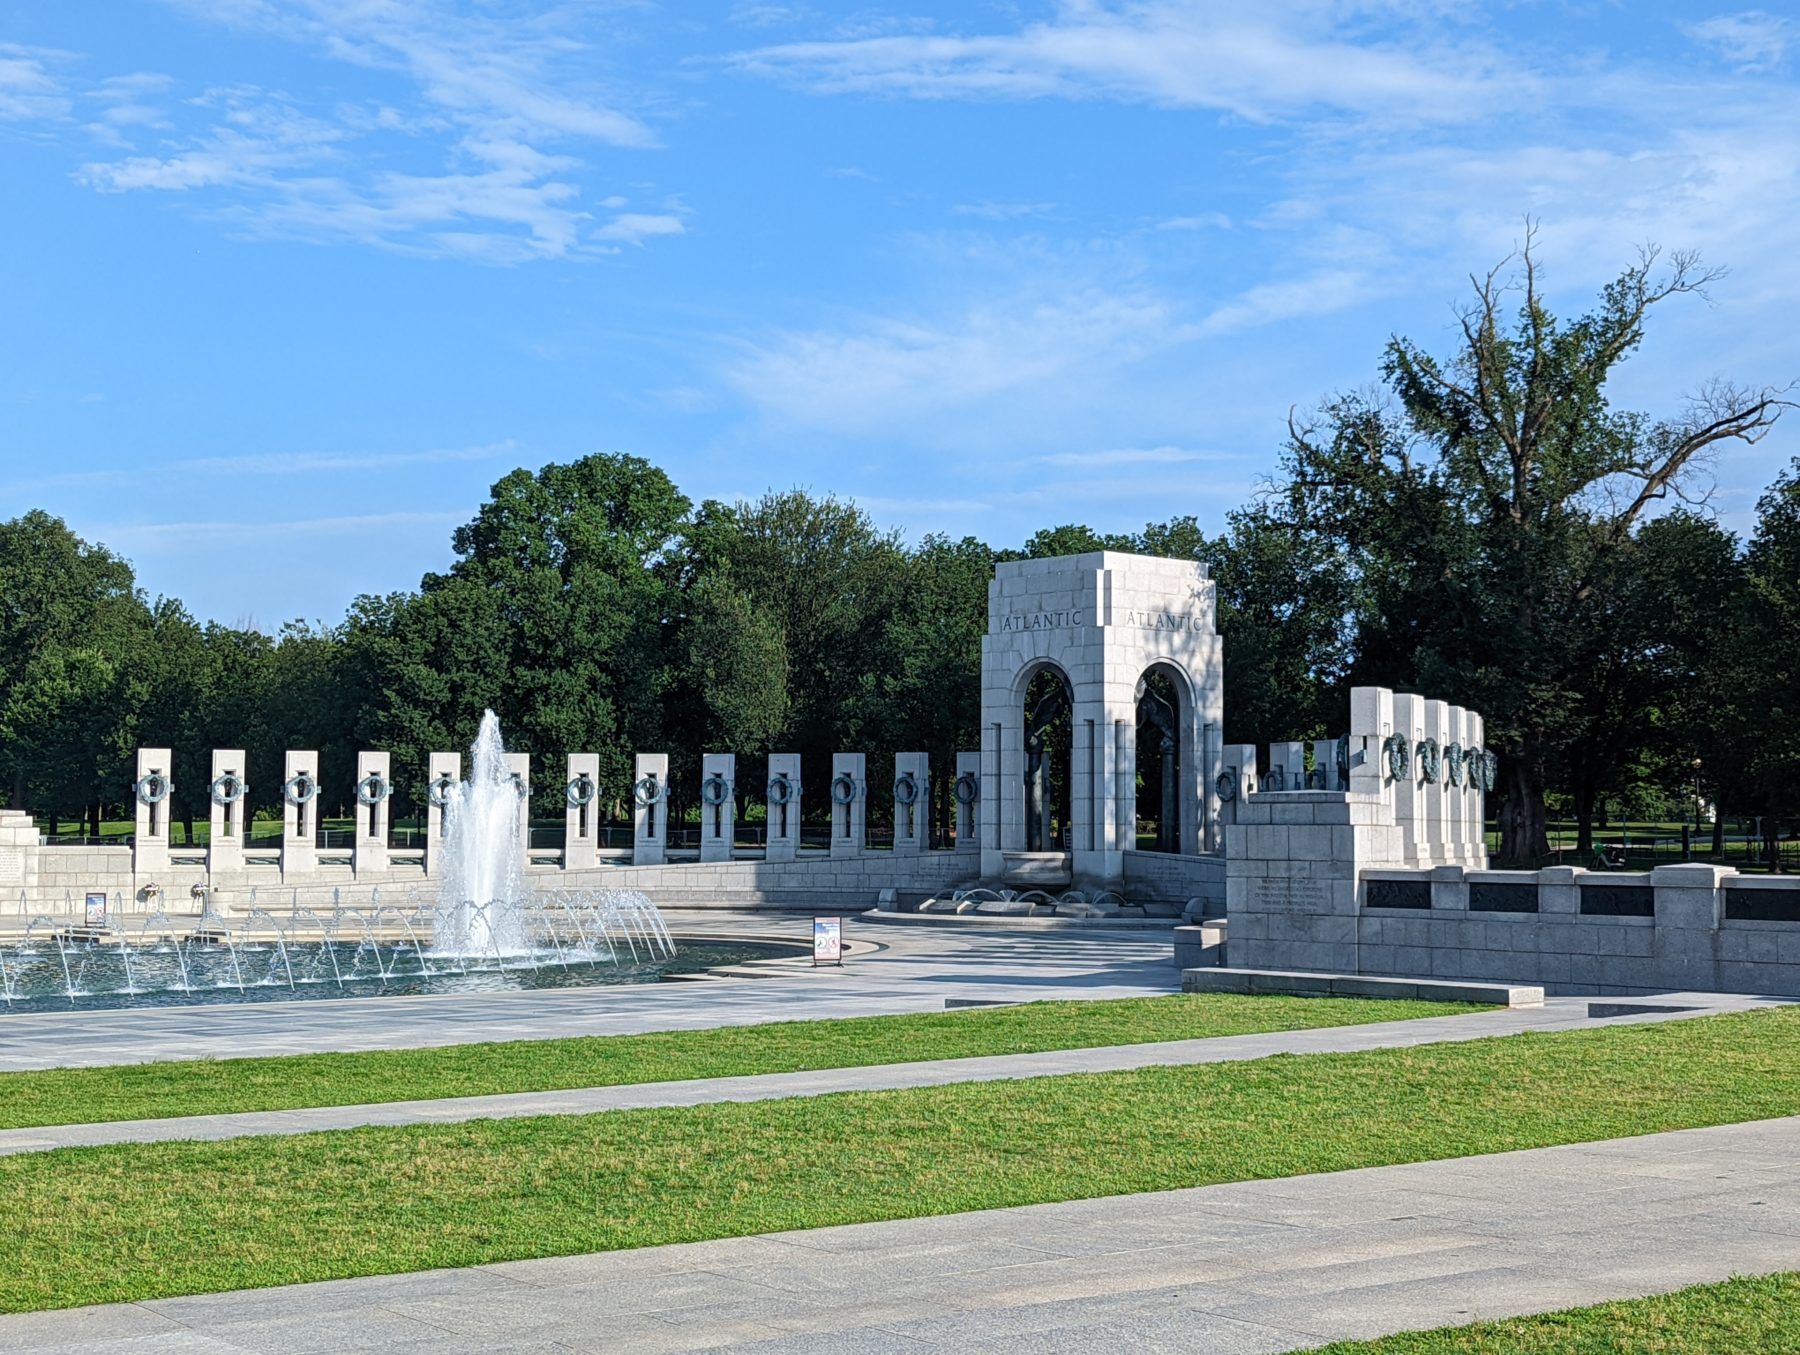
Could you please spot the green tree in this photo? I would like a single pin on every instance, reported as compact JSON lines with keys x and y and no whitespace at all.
{"x":1483,"y":515}
{"x":1754,"y":755}
{"x":68,"y":611}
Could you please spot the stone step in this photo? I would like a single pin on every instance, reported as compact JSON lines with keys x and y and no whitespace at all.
{"x":1303,"y":984}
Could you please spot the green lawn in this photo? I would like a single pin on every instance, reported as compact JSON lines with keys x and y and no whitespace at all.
{"x":155,"y":1090}
{"x":1757,"y":1316}
{"x":128,"y":1222}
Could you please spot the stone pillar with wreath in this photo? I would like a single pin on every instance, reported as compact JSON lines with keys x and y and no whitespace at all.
{"x":151,"y":790}
{"x":227,"y":803}
{"x":299,"y":815}
{"x":649,"y":809}
{"x":718,"y":805}
{"x":965,"y":791}
{"x":369,"y":840}
{"x":443,"y":774}
{"x":581,"y":812}
{"x":912,"y":802}
{"x":849,"y":803}
{"x":518,"y":767}
{"x":781,"y":797}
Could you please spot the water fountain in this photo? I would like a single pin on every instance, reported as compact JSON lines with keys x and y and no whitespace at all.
{"x":486,"y":929}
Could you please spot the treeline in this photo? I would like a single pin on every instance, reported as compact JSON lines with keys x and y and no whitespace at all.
{"x":595,"y":608}
{"x":1486,"y":529}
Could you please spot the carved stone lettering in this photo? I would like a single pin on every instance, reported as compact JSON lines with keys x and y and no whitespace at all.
{"x":1283,"y":892}
{"x":12,"y":866}
{"x":1022,"y":621}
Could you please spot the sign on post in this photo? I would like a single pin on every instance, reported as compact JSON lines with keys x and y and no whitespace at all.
{"x":96,"y":909}
{"x":828,"y":940}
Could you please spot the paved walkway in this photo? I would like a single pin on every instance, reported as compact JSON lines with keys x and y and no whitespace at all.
{"x":1259,"y":1266}
{"x":916,"y":969}
{"x":1556,"y":1014}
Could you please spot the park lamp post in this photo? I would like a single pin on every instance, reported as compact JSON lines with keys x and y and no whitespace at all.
{"x":1697,"y":823}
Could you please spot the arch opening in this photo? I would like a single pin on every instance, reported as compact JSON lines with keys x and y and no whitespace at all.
{"x":1049,"y":756}
{"x":1160,"y":710}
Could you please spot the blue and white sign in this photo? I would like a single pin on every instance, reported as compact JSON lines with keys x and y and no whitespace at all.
{"x":828,"y":940}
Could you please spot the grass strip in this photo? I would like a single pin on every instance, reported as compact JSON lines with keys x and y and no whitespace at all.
{"x":122,"y":1222}
{"x":150,"y":1091}
{"x":1760,"y":1314}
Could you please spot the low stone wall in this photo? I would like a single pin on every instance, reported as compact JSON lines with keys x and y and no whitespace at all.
{"x":813,"y":880}
{"x":1677,"y":927}
{"x":1163,"y":877}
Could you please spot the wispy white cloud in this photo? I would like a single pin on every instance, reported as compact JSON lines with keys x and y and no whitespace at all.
{"x":1003,"y":211}
{"x":209,"y":536}
{"x":1133,"y":456}
{"x":1283,"y":58}
{"x":878,"y":370}
{"x":279,"y":463}
{"x":1751,"y":40}
{"x":633,"y":228}
{"x":501,"y":97}
{"x":29,"y":90}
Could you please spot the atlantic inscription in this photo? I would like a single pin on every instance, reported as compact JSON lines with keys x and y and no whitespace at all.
{"x":1063,"y":620}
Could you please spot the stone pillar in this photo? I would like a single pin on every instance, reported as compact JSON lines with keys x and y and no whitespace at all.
{"x":849,"y":804}
{"x":225,"y":838}
{"x":1237,"y":768}
{"x":519,"y":766}
{"x":650,"y":809}
{"x":1409,"y":724}
{"x":369,"y":843}
{"x":718,"y":805}
{"x":1287,"y":767}
{"x":581,"y":822}
{"x":18,"y":853}
{"x":1434,"y":829}
{"x":1458,"y":838}
{"x":299,"y":815}
{"x":150,"y":845}
{"x":443,"y":771}
{"x":781,"y":797}
{"x":1325,"y":765}
{"x":966,"y":794}
{"x":912,"y":822}
{"x":1371,"y":721}
{"x":1477,"y":738}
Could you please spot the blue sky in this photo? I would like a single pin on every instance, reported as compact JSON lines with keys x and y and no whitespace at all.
{"x":288,"y":283}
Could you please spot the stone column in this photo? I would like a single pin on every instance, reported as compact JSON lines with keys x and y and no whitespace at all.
{"x":912,"y":822}
{"x":1409,"y":724}
{"x":519,"y":766}
{"x":225,"y":838}
{"x":299,"y":815}
{"x":1371,"y":721}
{"x":718,"y":805}
{"x":442,"y":772}
{"x":1210,"y":836}
{"x":581,"y":822}
{"x":849,"y":803}
{"x":1287,"y":767}
{"x":1477,"y":738}
{"x":19,"y":853}
{"x":1325,"y":764}
{"x":1434,"y":828}
{"x":1238,"y":768}
{"x":1457,"y":837}
{"x":150,"y":845}
{"x":650,"y":809}
{"x":966,"y":794}
{"x":369,"y":845}
{"x":783,"y":816}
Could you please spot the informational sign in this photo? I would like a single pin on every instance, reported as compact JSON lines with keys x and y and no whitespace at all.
{"x":96,"y":909}
{"x":828,"y":940}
